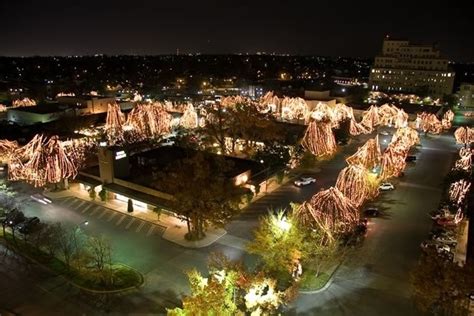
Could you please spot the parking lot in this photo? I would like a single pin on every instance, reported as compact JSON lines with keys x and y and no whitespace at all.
{"x":97,"y":212}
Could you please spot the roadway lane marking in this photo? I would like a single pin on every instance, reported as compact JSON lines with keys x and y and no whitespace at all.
{"x":112,"y":216}
{"x":120,"y":220}
{"x":130,"y":223}
{"x":103,"y":213}
{"x":86,"y":208}
{"x":150,"y":231}
{"x":140,"y":226}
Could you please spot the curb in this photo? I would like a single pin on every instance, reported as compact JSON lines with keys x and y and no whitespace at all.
{"x":328,"y":283}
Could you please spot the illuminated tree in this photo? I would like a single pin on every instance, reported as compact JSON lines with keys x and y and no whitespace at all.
{"x":393,"y":159}
{"x":368,"y":155}
{"x":7,"y":149}
{"x":408,"y":137}
{"x":23,"y":103}
{"x":370,"y":119}
{"x":294,"y":108}
{"x":458,"y":191}
{"x":42,"y":161}
{"x":189,"y":119}
{"x":330,"y":211}
{"x":447,"y":119}
{"x":387,"y":114}
{"x":464,"y":135}
{"x":263,"y":297}
{"x":278,"y":241}
{"x":149,"y":120}
{"x":114,"y":123}
{"x":319,"y":138}
{"x":465,"y":159}
{"x":429,"y":123}
{"x":210,"y":296}
{"x":354,"y":183}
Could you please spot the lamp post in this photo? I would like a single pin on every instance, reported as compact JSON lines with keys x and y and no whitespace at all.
{"x":78,"y":228}
{"x":266,"y":175}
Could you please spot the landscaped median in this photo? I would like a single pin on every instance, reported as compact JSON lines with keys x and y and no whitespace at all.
{"x":83,"y":271}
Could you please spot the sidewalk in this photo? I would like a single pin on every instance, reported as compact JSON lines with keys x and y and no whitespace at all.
{"x":175,"y":229}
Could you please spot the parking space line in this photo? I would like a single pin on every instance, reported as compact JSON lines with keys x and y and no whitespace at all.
{"x":120,"y":220}
{"x":103,"y":213}
{"x":80,"y":205}
{"x":140,"y":227}
{"x":130,"y":223}
{"x":69,"y":203}
{"x":112,"y":216}
{"x":150,"y":231}
{"x":87,"y":208}
{"x":98,"y":207}
{"x":73,"y":204}
{"x":65,"y":201}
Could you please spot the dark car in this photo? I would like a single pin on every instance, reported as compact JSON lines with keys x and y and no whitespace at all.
{"x":372,"y":212}
{"x":14,"y":218}
{"x":28,"y":225}
{"x":410,"y":158}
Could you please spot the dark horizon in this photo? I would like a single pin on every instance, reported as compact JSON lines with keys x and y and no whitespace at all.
{"x":326,"y":28}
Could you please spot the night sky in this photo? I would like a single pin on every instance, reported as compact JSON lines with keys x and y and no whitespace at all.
{"x":334,"y":28}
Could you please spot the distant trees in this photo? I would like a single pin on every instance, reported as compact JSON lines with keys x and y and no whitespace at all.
{"x":203,"y":195}
{"x":242,"y":121}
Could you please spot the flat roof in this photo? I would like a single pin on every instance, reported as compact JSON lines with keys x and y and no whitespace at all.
{"x":142,"y":165}
{"x":42,"y":108}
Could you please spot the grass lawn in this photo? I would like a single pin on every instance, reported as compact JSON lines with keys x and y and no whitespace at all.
{"x":309,"y":281}
{"x":120,"y":277}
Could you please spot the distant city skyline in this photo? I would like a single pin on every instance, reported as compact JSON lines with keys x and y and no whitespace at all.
{"x":325,"y":28}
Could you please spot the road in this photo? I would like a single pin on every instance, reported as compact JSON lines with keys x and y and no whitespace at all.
{"x":376,"y":282}
{"x":388,"y":253}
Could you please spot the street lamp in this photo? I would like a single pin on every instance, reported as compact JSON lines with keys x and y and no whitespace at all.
{"x":78,"y":228}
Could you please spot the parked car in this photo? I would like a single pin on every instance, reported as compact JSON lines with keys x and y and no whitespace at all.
{"x":40,"y":198}
{"x":14,"y":218}
{"x":410,"y":158}
{"x":445,"y":222}
{"x":386,"y":186}
{"x":445,"y":240}
{"x":372,"y":212}
{"x":26,"y":226}
{"x":384,"y":133}
{"x":304,"y":181}
{"x":361,"y":227}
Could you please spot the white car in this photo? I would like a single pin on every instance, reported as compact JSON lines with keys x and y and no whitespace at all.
{"x":386,"y":186}
{"x":304,"y":181}
{"x":385,"y":133}
{"x":41,"y":199}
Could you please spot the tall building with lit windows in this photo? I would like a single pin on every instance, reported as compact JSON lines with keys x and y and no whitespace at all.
{"x":403,"y":67}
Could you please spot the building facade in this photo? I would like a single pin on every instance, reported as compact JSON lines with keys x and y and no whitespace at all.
{"x":466,"y":95}
{"x":403,"y":67}
{"x":87,"y":104}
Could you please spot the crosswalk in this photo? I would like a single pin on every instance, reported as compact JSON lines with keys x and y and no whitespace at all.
{"x":106,"y":215}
